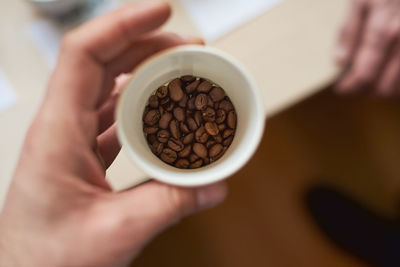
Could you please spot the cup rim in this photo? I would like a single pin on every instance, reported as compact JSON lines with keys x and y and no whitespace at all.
{"x":152,"y":169}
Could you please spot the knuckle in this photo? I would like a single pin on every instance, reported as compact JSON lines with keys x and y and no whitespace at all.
{"x":70,"y":41}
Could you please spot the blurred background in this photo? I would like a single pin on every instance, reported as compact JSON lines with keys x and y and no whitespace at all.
{"x":322,"y":189}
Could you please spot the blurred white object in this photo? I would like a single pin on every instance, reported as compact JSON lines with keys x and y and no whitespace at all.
{"x":7,"y":95}
{"x":215,"y":18}
{"x":57,"y":7}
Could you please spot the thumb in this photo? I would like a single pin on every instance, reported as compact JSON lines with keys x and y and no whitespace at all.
{"x":152,"y":207}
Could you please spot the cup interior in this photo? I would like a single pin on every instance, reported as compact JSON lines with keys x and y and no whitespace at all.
{"x":203,"y":62}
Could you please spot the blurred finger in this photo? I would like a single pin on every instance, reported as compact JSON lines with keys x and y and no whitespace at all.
{"x":108,"y":146}
{"x":350,"y":34}
{"x":390,"y":80}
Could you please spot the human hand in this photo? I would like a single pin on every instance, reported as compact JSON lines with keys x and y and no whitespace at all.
{"x":369,"y":46}
{"x":60,"y":211}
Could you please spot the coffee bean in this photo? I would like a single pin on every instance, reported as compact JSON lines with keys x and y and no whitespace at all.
{"x":183,"y":101}
{"x":152,"y":117}
{"x":163,"y":136}
{"x":227,"y":132}
{"x":153,"y":101}
{"x":190,"y":103}
{"x":192,"y":124}
{"x":206,"y":161}
{"x":193,"y":157}
{"x":184,"y":128}
{"x":151,"y":138}
{"x":209,"y":114}
{"x":220,"y":116}
{"x":175,"y":145}
{"x":221,"y":127}
{"x":188,"y":138}
{"x":201,"y":101}
{"x":168,"y":155}
{"x":196,"y":164}
{"x":175,"y":90}
{"x":179,"y":114}
{"x":169,"y":106}
{"x":231,"y":119}
{"x":161,"y":110}
{"x":218,"y":138}
{"x":210,"y":143}
{"x":192,"y":87}
{"x":198,"y":118}
{"x":216,"y":151}
{"x":217,"y":94}
{"x":210,"y":103}
{"x":188,"y":78}
{"x":182,"y":164}
{"x":226,"y":105}
{"x":174,"y":129}
{"x":185,"y":152}
{"x":216,"y":105}
{"x":162,"y":92}
{"x":150,"y":130}
{"x":204,"y":87}
{"x":157,"y":148}
{"x":200,"y":150}
{"x":165,"y":101}
{"x":228,"y":141}
{"x":201,"y":135}
{"x":211,"y":128}
{"x":164,"y":121}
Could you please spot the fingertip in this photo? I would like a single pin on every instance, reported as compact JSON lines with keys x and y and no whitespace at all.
{"x":190,"y":39}
{"x":211,"y":195}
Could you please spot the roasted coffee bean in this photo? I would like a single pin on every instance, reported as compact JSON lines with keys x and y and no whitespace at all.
{"x":183,"y":101}
{"x":157,"y":148}
{"x":152,"y":117}
{"x":201,"y":135}
{"x":165,"y":101}
{"x":150,"y":130}
{"x":220,"y":116}
{"x":217,"y":94}
{"x":200,"y":150}
{"x":168,"y":155}
{"x":182,"y":164}
{"x":188,"y":78}
{"x":189,"y":123}
{"x":190,"y":103}
{"x":153,"y":101}
{"x":184,"y":127}
{"x":228,"y":141}
{"x":185,"y":152}
{"x":174,"y":129}
{"x":218,"y":138}
{"x":193,"y":157}
{"x":192,"y":87}
{"x":226,"y":105}
{"x":231,"y":119}
{"x":198,"y":118}
{"x":162,"y":92}
{"x":192,"y":124}
{"x":163,"y":136}
{"x":221,"y":127}
{"x":210,"y":143}
{"x":204,"y":87}
{"x":201,"y":101}
{"x":175,"y":145}
{"x":175,"y":90}
{"x":196,"y":164}
{"x":188,"y":138}
{"x":179,"y":114}
{"x":209,"y":114}
{"x":151,"y":138}
{"x":227,"y":132}
{"x":164,"y":121}
{"x":211,"y":128}
{"x":216,"y":151}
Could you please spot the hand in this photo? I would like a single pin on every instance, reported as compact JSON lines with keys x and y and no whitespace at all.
{"x":59,"y":210}
{"x":369,"y":47}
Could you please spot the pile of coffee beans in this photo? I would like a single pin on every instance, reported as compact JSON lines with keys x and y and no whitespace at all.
{"x":189,"y":122}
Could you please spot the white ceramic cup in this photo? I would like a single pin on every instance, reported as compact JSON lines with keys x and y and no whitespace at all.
{"x":199,"y":61}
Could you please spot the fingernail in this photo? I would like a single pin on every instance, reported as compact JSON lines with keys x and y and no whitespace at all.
{"x":340,"y":54}
{"x":212,"y":195}
{"x":192,"y":39}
